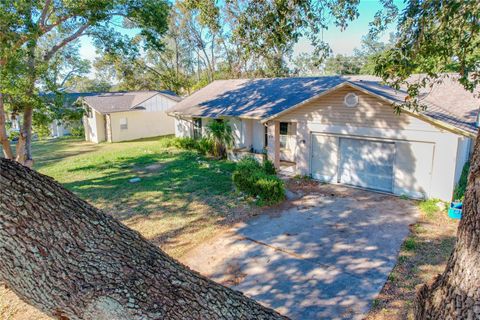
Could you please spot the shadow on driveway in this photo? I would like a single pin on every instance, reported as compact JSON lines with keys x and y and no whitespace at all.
{"x":326,"y":255}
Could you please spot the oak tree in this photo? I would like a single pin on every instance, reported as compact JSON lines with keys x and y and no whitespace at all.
{"x":72,"y":261}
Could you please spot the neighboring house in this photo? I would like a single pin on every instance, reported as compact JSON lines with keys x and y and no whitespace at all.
{"x":58,"y":128}
{"x":344,"y":129}
{"x":122,"y":116}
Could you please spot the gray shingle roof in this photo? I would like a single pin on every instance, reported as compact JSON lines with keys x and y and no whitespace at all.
{"x":109,"y":102}
{"x":263,"y":98}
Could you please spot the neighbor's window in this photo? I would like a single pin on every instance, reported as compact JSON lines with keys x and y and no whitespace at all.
{"x":123,"y":124}
{"x":197,"y":128}
{"x":284,"y":130}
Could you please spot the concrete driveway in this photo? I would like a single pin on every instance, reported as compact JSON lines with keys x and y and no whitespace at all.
{"x":325,"y":255}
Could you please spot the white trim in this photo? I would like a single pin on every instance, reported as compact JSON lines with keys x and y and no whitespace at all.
{"x":420,"y":116}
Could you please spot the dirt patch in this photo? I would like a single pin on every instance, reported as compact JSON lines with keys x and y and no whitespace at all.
{"x":424,"y":254}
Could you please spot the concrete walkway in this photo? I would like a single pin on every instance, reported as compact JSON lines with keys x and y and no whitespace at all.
{"x":325,"y":256}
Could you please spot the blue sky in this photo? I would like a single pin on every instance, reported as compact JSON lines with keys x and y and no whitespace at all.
{"x":344,"y":42}
{"x":340,"y":42}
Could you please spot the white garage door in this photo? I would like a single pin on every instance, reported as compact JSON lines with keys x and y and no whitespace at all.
{"x":324,"y":157}
{"x":366,"y":163}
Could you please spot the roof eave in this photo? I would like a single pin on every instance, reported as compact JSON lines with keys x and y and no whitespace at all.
{"x":423,"y":117}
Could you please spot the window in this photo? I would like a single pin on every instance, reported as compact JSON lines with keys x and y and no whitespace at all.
{"x":350,"y":100}
{"x":265,"y":143}
{"x":123,"y":124}
{"x":284,"y":131}
{"x":197,"y":128}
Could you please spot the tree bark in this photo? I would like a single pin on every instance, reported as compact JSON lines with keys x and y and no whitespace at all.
{"x":455,"y":294}
{"x":24,"y":145}
{"x":72,"y":261}
{"x":6,"y":147}
{"x":24,"y":153}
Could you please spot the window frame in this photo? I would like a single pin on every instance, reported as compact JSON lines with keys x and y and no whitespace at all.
{"x":123,"y":126}
{"x":284,"y":136}
{"x":197,"y":128}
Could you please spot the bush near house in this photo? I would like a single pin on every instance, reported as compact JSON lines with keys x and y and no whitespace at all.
{"x":460,"y":188}
{"x":257,"y":181}
{"x":204,"y":146}
{"x":269,"y":167}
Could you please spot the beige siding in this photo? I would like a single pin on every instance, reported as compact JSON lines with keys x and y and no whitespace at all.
{"x":428,"y":158}
{"x":94,"y":127}
{"x":370,"y":112}
{"x":141,"y":124}
{"x":183,"y":128}
{"x":258,"y":135}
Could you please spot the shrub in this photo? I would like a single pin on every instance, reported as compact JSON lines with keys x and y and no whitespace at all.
{"x":77,"y":131}
{"x":185,"y":143}
{"x":460,"y":188}
{"x":220,"y":132}
{"x":252,"y":178}
{"x":13,"y":135}
{"x":269,"y":167}
{"x":205,"y":146}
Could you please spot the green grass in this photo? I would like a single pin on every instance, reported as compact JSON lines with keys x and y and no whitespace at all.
{"x":182,"y":197}
{"x":410,"y":244}
{"x":430,"y":206}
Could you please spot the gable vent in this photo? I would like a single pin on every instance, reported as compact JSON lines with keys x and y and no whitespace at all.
{"x":350,"y":100}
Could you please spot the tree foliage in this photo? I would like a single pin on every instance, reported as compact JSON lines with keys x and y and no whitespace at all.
{"x":434,"y":37}
{"x":34,"y":33}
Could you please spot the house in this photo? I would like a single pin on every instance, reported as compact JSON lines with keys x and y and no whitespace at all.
{"x":344,"y":130}
{"x":59,"y":128}
{"x":123,"y":116}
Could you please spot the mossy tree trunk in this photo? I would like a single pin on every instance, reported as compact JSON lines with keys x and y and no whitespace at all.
{"x":72,"y":261}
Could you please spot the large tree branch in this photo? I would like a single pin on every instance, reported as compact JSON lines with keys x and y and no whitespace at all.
{"x":72,"y":261}
{"x":65,"y":41}
{"x":44,"y":13}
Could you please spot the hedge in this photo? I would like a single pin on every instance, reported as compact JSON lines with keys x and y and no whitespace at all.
{"x":254,"y":179}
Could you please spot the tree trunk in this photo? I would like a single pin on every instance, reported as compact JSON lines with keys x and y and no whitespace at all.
{"x":72,"y":261}
{"x":455,"y":294}
{"x":24,"y":145}
{"x":24,"y":153}
{"x":6,"y":147}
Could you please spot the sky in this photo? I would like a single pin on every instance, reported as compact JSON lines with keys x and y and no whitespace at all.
{"x":341,"y":42}
{"x":344,"y":42}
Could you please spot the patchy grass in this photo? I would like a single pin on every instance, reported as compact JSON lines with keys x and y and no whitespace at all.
{"x":182,"y":198}
{"x":431,"y":206}
{"x":424,"y":254}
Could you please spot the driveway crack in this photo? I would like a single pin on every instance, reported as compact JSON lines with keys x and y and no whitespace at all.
{"x":299,"y":256}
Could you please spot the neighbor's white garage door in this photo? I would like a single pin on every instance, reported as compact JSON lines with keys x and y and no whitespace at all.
{"x":367,"y":164}
{"x":400,"y":167}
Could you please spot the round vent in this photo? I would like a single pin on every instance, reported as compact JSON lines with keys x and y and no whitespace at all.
{"x":351,"y":100}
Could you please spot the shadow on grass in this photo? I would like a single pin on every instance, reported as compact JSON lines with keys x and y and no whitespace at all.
{"x":46,"y":152}
{"x":179,"y":192}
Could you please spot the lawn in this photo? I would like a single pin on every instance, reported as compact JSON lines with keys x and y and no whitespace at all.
{"x":182,"y":198}
{"x":424,"y":254}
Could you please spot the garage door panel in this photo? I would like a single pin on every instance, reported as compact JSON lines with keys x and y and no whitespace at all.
{"x":413,"y":168}
{"x":324,"y":157}
{"x":367,"y":164}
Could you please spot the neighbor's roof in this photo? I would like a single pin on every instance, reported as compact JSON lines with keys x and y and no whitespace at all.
{"x":109,"y":102}
{"x":264,"y":98}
